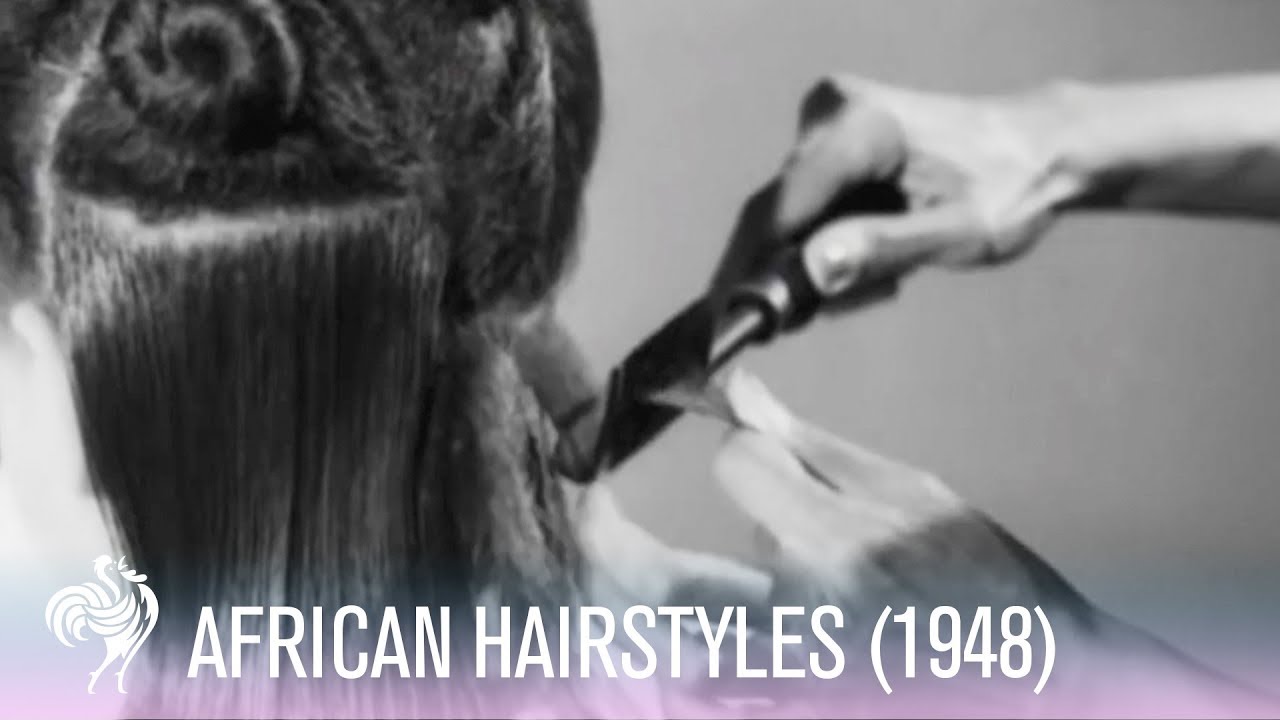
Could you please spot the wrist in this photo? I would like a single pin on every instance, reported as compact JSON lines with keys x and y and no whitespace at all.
{"x":1062,"y":123}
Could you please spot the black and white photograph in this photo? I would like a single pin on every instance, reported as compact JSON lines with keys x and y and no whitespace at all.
{"x":702,"y":359}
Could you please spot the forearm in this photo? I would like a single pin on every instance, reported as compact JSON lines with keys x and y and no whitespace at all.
{"x":1209,"y":145}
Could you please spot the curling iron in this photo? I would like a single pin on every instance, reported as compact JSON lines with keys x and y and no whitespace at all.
{"x":777,"y":298}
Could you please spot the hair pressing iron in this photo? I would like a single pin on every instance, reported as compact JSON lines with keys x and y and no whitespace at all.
{"x":776,"y":296}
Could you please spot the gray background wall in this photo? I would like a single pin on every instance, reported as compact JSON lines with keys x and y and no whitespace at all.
{"x":1112,"y":399}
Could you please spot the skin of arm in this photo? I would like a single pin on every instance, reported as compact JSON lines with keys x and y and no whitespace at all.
{"x":1207,"y":145}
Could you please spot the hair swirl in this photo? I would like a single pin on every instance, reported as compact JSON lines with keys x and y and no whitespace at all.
{"x":225,"y":72}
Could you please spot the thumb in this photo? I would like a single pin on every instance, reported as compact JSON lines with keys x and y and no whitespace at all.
{"x":845,"y":251}
{"x":849,"y":143}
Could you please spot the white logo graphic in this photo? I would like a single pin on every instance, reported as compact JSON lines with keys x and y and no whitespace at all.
{"x":122,"y":616}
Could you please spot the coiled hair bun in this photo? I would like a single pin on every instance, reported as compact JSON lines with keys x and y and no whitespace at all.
{"x":222,"y":72}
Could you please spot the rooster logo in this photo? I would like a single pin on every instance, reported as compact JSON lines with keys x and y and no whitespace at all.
{"x":123,"y":615}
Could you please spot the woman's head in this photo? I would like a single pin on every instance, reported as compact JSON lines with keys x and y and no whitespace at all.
{"x":283,"y":244}
{"x":172,"y":109}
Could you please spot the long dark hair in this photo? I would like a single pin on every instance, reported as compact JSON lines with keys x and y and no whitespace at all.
{"x":286,"y":243}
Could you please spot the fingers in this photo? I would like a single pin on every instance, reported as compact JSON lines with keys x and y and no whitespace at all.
{"x":975,"y":196}
{"x":858,"y":474}
{"x":841,"y":464}
{"x":773,"y":489}
{"x":849,"y":137}
{"x":629,"y":565}
{"x":864,"y":476}
{"x":754,"y":406}
{"x":847,"y":250}
{"x":844,"y":141}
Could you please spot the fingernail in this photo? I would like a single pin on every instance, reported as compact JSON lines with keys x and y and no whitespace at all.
{"x":754,"y":406}
{"x":824,"y":102}
{"x":835,"y":258}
